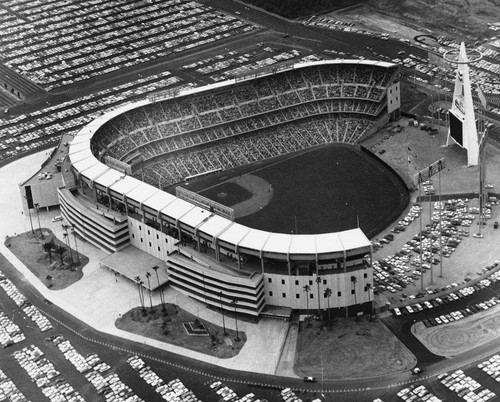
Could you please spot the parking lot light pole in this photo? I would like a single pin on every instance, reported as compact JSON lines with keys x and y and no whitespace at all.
{"x":440,"y":227}
{"x":420,"y":220}
{"x":430,"y":226}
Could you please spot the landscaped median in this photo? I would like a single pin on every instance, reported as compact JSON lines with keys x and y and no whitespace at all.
{"x":178,"y":327}
{"x":55,"y":264}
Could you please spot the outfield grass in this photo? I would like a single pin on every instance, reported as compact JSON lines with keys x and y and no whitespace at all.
{"x":326,"y":189}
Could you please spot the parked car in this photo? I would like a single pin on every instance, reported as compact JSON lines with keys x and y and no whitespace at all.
{"x":310,"y":379}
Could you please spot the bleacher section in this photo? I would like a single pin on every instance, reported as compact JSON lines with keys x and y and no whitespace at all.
{"x":250,"y":120}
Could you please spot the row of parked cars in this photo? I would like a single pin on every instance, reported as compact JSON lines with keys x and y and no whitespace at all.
{"x":9,"y":391}
{"x":459,"y":314}
{"x":415,"y":393}
{"x":227,"y":394}
{"x":31,"y":311}
{"x":491,"y":367}
{"x":81,"y":363}
{"x":111,"y":387}
{"x":451,"y":297}
{"x":466,"y":387}
{"x":10,"y":333}
{"x":43,"y":373}
{"x":173,"y":391}
{"x":289,"y":396}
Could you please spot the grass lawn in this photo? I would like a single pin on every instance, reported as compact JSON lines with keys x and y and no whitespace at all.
{"x":55,"y":272}
{"x":350,"y":348}
{"x":325,"y":189}
{"x":169,"y":328}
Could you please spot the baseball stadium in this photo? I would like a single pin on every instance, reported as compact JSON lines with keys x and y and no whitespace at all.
{"x":253,"y":194}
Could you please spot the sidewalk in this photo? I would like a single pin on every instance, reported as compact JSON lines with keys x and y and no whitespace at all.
{"x":100,"y":297}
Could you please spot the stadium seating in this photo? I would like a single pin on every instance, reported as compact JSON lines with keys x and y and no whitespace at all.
{"x":266,"y":117}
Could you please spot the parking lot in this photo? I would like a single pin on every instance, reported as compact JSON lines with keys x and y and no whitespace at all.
{"x":450,"y":222}
{"x":40,"y":356}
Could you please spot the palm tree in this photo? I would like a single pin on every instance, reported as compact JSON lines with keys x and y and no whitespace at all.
{"x":318,"y":281}
{"x":148,"y":275}
{"x":328,"y":293}
{"x":307,"y":289}
{"x":76,"y":246}
{"x":141,"y":297}
{"x":47,"y":247}
{"x":155,"y":268}
{"x":234,"y":302}
{"x":223,"y":318}
{"x":354,"y":280}
{"x":66,"y":240}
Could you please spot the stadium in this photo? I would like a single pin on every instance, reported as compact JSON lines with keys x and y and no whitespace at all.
{"x":122,"y":169}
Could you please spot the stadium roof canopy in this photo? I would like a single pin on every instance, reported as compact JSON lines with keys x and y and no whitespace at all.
{"x":132,"y":262}
{"x":142,"y":192}
{"x":159,"y":200}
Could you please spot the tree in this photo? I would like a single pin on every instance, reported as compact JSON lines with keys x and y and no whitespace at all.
{"x":139,"y":288}
{"x":148,"y":275}
{"x":66,"y":240}
{"x":155,"y":268}
{"x":328,"y":294}
{"x":234,"y":302}
{"x":307,"y":289}
{"x":60,"y":250}
{"x":354,"y":280}
{"x":47,"y":247}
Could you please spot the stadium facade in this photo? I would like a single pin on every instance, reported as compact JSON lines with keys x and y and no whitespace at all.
{"x":119,"y":164}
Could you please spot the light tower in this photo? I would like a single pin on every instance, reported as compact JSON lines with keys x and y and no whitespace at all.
{"x":462,"y":130}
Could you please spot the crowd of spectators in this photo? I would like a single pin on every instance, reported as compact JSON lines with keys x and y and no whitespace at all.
{"x":56,"y":42}
{"x":168,"y":168}
{"x":194,"y":120}
{"x":254,"y":120}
